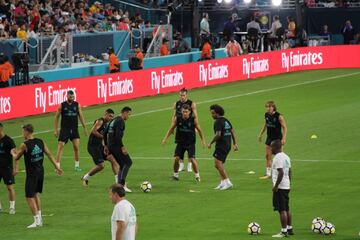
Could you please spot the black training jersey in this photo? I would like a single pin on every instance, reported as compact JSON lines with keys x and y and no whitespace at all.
{"x":94,"y":140}
{"x":115,"y":132}
{"x":224,"y":126}
{"x":185,"y":131}
{"x":179,"y":105}
{"x":6,"y":144}
{"x":69,"y":115}
{"x":273,"y":125}
{"x":34,"y":156}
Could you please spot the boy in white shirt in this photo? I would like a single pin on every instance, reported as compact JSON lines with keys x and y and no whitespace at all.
{"x":281,"y":177}
{"x":123,"y":219}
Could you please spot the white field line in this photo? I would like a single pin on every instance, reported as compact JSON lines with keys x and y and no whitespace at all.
{"x":236,"y":159}
{"x":229,"y":97}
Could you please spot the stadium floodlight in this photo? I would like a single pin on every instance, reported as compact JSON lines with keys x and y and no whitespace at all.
{"x":199,"y":0}
{"x":247,"y":1}
{"x":276,"y":3}
{"x":219,"y":1}
{"x":228,"y":1}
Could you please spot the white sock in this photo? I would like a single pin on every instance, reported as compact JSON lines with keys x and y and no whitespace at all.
{"x":227,"y":181}
{"x":12,"y":204}
{"x":86,"y":176}
{"x":39,"y":213}
{"x":268,"y":171}
{"x":77,"y":163}
{"x":181,"y":165}
{"x":189,"y":165}
{"x":58,"y":164}
{"x":116,"y":178}
{"x":283,"y":230}
{"x":222,"y":182}
{"x":197,"y":175}
{"x":289,"y":227}
{"x":176,"y":174}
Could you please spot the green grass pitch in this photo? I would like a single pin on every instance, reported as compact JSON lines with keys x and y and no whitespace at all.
{"x":326,"y":180}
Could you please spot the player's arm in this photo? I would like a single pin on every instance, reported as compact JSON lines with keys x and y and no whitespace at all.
{"x":95,"y":128}
{"x":170,"y":131}
{"x":200,"y":131}
{"x":119,"y":133}
{"x":234,"y":138}
{"x":290,"y":174}
{"x":215,"y":139}
{"x":279,"y":179}
{"x":53,"y":160}
{"x":194,"y":110}
{"x":174,"y":112}
{"x":56,"y":121}
{"x":16,"y":163}
{"x":120,"y":230}
{"x":82,"y":120}
{"x":284,"y":129}
{"x":262,"y":132}
{"x":17,"y":155}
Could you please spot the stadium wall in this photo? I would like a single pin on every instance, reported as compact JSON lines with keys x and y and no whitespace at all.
{"x":45,"y":97}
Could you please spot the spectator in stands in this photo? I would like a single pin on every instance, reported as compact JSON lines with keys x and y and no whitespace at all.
{"x":19,"y":13}
{"x":180,"y":45}
{"x":124,"y":24}
{"x":139,"y":55}
{"x":348,"y":32}
{"x":204,"y":28}
{"x":206,"y":50}
{"x":253,"y":24}
{"x":291,"y":33}
{"x":3,"y":33}
{"x":275,"y":25}
{"x":229,"y":28}
{"x":253,"y":34}
{"x":356,"y":39}
{"x":6,"y":70}
{"x":233,"y":48}
{"x":22,"y":32}
{"x":164,"y":49}
{"x":325,"y":32}
{"x":114,"y":64}
{"x":275,"y":34}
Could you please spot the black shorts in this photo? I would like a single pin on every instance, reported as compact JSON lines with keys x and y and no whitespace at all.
{"x":66,"y":134}
{"x":221,"y":154}
{"x":7,"y":175}
{"x":34,"y":184}
{"x":181,"y":149}
{"x":281,"y":200}
{"x":269,"y":140}
{"x":120,"y":158}
{"x":97,"y":153}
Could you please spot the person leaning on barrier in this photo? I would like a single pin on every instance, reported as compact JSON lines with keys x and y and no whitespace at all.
{"x":6,"y":70}
{"x":206,"y":50}
{"x":233,"y":48}
{"x":114,"y":64}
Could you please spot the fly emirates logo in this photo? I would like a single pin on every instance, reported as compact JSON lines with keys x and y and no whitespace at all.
{"x":166,"y":79}
{"x":297,"y":59}
{"x":51,"y":96}
{"x":5,"y":105}
{"x":255,"y":66}
{"x":114,"y":87}
{"x":212,"y":72}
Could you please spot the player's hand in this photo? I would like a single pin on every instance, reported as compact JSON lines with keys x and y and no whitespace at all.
{"x":124,"y":151}
{"x":209,"y":146}
{"x":15,"y":172}
{"x":235,"y":147}
{"x":163,"y":142}
{"x":59,"y":171}
{"x":275,"y":189}
{"x":56,"y":133}
{"x":283,"y":141}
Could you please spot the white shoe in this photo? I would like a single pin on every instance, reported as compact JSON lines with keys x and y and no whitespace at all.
{"x":34,"y":225}
{"x":219,"y":186}
{"x":127,"y":189}
{"x":226,"y":186}
{"x":280,"y":235}
{"x":189,"y":167}
{"x":12,"y":211}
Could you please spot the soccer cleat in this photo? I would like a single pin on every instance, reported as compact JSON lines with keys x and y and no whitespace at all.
{"x":189,"y":167}
{"x":34,"y":225}
{"x":226,"y":186}
{"x":174,"y":178}
{"x":197,"y":179}
{"x":127,"y":189}
{"x":265,"y":177}
{"x":85,"y":182}
{"x":219,"y":186}
{"x":290,"y":232}
{"x":12,"y":211}
{"x":78,"y":169}
{"x":280,"y":235}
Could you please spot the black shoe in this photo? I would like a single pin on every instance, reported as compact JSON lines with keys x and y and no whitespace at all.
{"x":175,"y":178}
{"x":290,"y":232}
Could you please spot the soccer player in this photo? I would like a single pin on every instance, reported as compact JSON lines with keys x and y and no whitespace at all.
{"x":7,"y":149}
{"x":96,"y":147}
{"x":33,"y":150}
{"x":185,"y":139}
{"x":115,"y":133}
{"x":281,"y":177}
{"x":123,"y":219}
{"x":224,"y":132}
{"x":70,"y":111}
{"x":274,"y":123}
{"x":178,"y":113}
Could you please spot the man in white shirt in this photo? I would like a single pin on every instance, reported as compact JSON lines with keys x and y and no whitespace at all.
{"x":253,"y":24}
{"x":123,"y":219}
{"x":276,"y":24}
{"x":281,"y":177}
{"x":204,"y":25}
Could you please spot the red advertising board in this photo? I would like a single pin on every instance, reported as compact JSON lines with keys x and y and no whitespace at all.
{"x":43,"y":98}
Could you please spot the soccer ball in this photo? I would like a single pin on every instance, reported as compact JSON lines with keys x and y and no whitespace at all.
{"x":254,"y":228}
{"x":317,"y":219}
{"x":317,"y":226}
{"x":146,"y":187}
{"x":328,"y":229}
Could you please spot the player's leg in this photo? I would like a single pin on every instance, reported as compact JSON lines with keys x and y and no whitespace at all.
{"x":192,"y":160}
{"x":288,"y":214}
{"x":96,"y":152}
{"x":178,"y":156}
{"x":60,"y":150}
{"x":268,"y":156}
{"x":279,"y":203}
{"x":76,"y":147}
{"x":11,"y":194}
{"x":114,"y":166}
{"x":31,"y":186}
{"x":125,"y":165}
{"x":181,"y":165}
{"x":99,"y":167}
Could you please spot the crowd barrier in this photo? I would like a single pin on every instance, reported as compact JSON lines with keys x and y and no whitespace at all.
{"x":45,"y":97}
